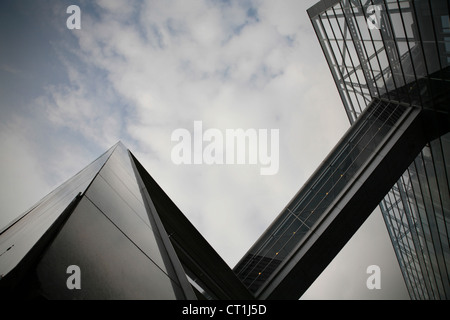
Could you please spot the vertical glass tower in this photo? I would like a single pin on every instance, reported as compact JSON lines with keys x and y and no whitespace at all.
{"x":399,"y":51}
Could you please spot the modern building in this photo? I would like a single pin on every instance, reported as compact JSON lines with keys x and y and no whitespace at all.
{"x":112,"y":226}
{"x":104,"y":226}
{"x":399,"y":51}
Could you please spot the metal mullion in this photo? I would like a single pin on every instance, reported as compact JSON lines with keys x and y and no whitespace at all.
{"x":419,"y":248}
{"x":344,"y":66}
{"x":390,"y":229}
{"x":297,"y":217}
{"x":448,"y":8}
{"x":400,"y":241}
{"x":262,"y":248}
{"x":397,"y":53}
{"x":405,"y":243}
{"x":350,"y":83}
{"x":334,"y":55}
{"x":418,"y":272}
{"x":436,"y":239}
{"x":411,"y":56}
{"x":445,"y":160}
{"x":424,"y":272}
{"x":279,"y":227}
{"x":444,"y":167}
{"x":445,"y":220}
{"x":351,"y":59}
{"x":412,"y":226}
{"x":420,"y":37}
{"x":439,"y":192}
{"x":371,"y":57}
{"x":268,"y":243}
{"x":425,"y":248}
{"x":430,"y":241}
{"x":394,"y":217}
{"x":362,"y":95}
{"x":404,"y":232}
{"x":370,"y":71}
{"x":392,"y":204}
{"x":340,"y":15}
{"x":322,"y":40}
{"x":434,"y":34}
{"x":376,"y":54}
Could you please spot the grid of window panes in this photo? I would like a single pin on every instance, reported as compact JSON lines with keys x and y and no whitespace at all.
{"x":417,"y":211}
{"x":409,"y":42}
{"x":326,"y":186}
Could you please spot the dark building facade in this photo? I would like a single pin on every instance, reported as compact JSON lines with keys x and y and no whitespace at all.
{"x":115,"y":229}
{"x":399,"y":51}
{"x":106,"y":222}
{"x":97,"y":221}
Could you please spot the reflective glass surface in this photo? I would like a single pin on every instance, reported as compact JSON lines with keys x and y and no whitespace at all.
{"x":313,"y":201}
{"x":18,"y":238}
{"x":111,"y":266}
{"x":416,"y":211}
{"x":109,"y":236}
{"x":386,"y":52}
{"x":399,"y":52}
{"x":116,"y":194}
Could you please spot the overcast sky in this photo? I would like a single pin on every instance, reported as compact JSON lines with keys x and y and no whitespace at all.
{"x":138,"y":70}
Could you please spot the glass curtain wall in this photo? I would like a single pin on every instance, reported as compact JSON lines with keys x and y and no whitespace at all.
{"x":312,"y":203}
{"x":394,"y":49}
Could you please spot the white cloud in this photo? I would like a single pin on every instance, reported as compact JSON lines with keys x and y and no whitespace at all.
{"x":18,"y":163}
{"x":230,"y":65}
{"x":285,"y":15}
{"x":345,"y":277}
{"x":140,"y":70}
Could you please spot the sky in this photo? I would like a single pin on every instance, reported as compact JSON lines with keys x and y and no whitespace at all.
{"x":137,"y":71}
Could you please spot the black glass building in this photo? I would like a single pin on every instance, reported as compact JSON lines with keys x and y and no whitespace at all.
{"x":390,"y":61}
{"x":399,"y":51}
{"x":106,"y":221}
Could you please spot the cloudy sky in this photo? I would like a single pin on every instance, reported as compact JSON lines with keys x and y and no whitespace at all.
{"x":137,"y":71}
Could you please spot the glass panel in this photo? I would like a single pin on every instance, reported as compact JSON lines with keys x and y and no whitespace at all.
{"x":20,"y":236}
{"x":397,"y":26}
{"x":128,"y":189}
{"x":315,"y":198}
{"x":125,"y":218}
{"x":103,"y":254}
{"x":119,"y":168}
